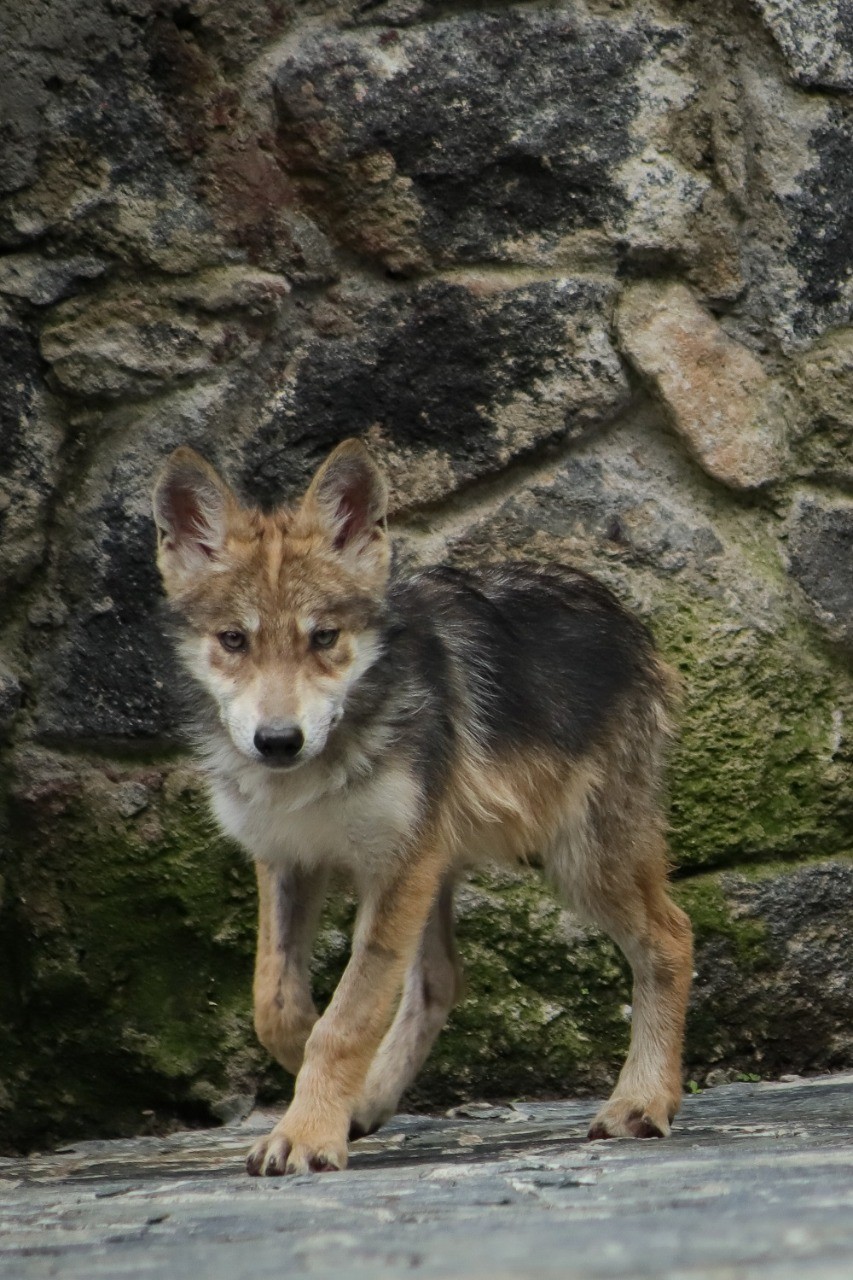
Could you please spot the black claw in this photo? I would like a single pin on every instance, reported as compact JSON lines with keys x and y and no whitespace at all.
{"x":641,"y":1125}
{"x":357,"y":1131}
{"x":646,"y":1128}
{"x":597,"y":1133}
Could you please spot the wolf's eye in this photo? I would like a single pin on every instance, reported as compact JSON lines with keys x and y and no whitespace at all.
{"x":325,"y":638}
{"x":233,"y":641}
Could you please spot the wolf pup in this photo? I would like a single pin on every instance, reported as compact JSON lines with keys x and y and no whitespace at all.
{"x":396,"y":728}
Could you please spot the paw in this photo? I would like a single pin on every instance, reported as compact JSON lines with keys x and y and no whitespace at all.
{"x":282,"y":1152}
{"x":631,"y":1118}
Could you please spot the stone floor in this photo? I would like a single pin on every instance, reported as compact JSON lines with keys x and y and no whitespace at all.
{"x":756,"y":1180}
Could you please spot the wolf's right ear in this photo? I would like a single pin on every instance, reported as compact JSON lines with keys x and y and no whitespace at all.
{"x":191,"y":506}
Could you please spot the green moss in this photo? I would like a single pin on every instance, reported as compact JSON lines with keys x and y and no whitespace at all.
{"x":770,"y":994}
{"x":127,"y":938}
{"x":762,"y":769}
{"x":544,"y":1005}
{"x":731,"y":954}
{"x":129,"y":941}
{"x":703,"y":899}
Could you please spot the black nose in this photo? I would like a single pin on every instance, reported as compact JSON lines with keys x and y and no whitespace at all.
{"x":279,"y":745}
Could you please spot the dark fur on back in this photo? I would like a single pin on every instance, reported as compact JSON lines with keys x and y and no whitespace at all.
{"x":547,"y":653}
{"x":532,"y":656}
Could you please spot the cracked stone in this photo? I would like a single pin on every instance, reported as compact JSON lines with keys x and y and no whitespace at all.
{"x":448,"y":381}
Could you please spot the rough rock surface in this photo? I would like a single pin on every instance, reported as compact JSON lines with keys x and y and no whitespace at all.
{"x":716,"y":393}
{"x":755,"y":1180}
{"x":816,"y":40}
{"x":455,"y":141}
{"x":581,"y":276}
{"x":820,"y":548}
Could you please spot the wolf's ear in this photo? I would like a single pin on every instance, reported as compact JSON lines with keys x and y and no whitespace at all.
{"x":191,"y":506}
{"x":349,"y":498}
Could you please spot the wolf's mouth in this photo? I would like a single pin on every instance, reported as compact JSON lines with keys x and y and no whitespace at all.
{"x":280,"y":763}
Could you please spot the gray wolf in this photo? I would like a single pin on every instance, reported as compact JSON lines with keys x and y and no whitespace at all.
{"x":398,"y":728}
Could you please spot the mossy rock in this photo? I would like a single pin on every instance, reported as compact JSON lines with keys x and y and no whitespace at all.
{"x":128,"y":934}
{"x":762,"y":767}
{"x":773,"y":990}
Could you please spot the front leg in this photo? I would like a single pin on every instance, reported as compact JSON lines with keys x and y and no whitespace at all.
{"x":290,"y":900}
{"x":312,"y":1135}
{"x":432,"y":986}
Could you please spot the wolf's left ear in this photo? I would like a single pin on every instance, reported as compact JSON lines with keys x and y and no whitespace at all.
{"x":349,"y":496}
{"x":191,"y":506}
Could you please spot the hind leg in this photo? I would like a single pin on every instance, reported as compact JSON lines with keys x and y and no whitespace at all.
{"x":655,"y":936}
{"x":431,"y":989}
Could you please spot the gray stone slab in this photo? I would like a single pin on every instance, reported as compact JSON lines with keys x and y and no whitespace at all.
{"x":757,"y":1180}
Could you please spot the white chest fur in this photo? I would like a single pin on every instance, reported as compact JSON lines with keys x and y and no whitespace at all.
{"x":313,"y":817}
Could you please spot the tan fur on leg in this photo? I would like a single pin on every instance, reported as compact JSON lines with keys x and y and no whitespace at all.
{"x":655,"y":936}
{"x":610,"y":862}
{"x":432,"y":987}
{"x":313,"y":1133}
{"x":289,"y":904}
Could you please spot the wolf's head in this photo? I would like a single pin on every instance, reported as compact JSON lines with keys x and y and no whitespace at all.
{"x":280,"y":614}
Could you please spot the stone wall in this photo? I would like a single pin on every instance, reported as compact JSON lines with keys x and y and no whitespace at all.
{"x":581,"y":274}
